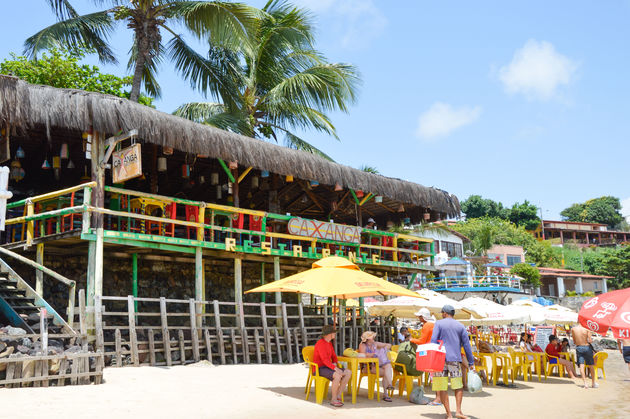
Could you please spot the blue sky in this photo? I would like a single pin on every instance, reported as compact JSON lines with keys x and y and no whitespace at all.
{"x":508,"y":100}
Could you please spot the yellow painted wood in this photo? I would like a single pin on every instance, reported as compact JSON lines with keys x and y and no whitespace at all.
{"x":365,"y":198}
{"x":242,"y":175}
{"x":395,"y":246}
{"x":202,"y":219}
{"x":54,"y":194}
{"x":30,"y":209}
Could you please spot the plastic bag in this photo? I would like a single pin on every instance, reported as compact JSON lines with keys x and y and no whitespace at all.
{"x":474,"y":382}
{"x":417,"y":396}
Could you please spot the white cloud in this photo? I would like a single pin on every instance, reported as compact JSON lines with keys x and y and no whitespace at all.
{"x":357,"y":21}
{"x":538,"y":71}
{"x":441,"y":119}
{"x":625,"y":208}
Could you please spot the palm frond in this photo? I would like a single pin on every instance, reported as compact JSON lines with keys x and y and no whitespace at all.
{"x":295,"y":142}
{"x":63,"y":9}
{"x":83,"y":32}
{"x":149,"y":80}
{"x":199,"y":111}
{"x":287,"y":114}
{"x":370,"y":169}
{"x":215,"y":114}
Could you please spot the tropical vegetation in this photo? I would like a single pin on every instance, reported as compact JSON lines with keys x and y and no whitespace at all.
{"x":151,"y":22}
{"x":604,"y":210}
{"x":526,"y":271}
{"x":522,"y":214}
{"x":277,"y":83}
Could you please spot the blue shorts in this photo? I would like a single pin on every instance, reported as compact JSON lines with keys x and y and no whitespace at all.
{"x":584,"y":355}
{"x":626,"y":354}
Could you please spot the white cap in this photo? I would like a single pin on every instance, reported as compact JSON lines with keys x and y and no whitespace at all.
{"x":371,"y":220}
{"x":425,"y":313}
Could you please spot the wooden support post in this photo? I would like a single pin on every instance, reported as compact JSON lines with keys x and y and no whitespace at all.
{"x":257,"y":343}
{"x":219,"y":331}
{"x":276,"y":335}
{"x":134,"y":277}
{"x":133,"y":338}
{"x":39,"y":275}
{"x":266,"y":335}
{"x":296,"y":339}
{"x":152,"y":347}
{"x":233,"y":339}
{"x":263,"y":295}
{"x":278,"y":295}
{"x":30,"y":225}
{"x":118,"y":343}
{"x":354,"y":340}
{"x":182,"y":347}
{"x":302,"y":328}
{"x":287,"y":335}
{"x":342,"y":324}
{"x":82,"y":319}
{"x":199,"y":281}
{"x":245,"y":345}
{"x":238,"y":290}
{"x":193,"y":330}
{"x":166,"y":339}
{"x":95,"y":254}
{"x":87,"y":195}
{"x":206,"y":335}
{"x":98,"y":323}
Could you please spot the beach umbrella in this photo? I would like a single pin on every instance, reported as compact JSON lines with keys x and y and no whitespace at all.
{"x":608,"y":311}
{"x":406,"y":307}
{"x":556,"y":314}
{"x":534,"y":310}
{"x":335,"y":277}
{"x":496,"y":264}
{"x":493,"y":313}
{"x":455,"y":262}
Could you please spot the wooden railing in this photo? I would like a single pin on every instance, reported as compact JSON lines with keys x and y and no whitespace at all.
{"x":146,"y":219}
{"x":463,"y":281}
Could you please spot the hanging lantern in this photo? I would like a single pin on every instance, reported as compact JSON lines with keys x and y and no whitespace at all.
{"x":88,"y":147}
{"x":401,"y":208}
{"x":202,"y":156}
{"x":289,"y":178}
{"x":427,"y":216}
{"x":249,"y":195}
{"x":185,"y":171}
{"x":229,"y":187}
{"x":46,"y":165}
{"x":264,"y":173}
{"x":219,"y":191}
{"x":202,"y":180}
{"x":378,"y":199}
{"x":161,"y":164}
{"x":406,"y":221}
{"x":167,"y":151}
{"x":230,"y":200}
{"x":338,"y":187}
{"x":314,"y":183}
{"x":84,"y":135}
{"x":16,"y":173}
{"x":359,"y":194}
{"x":56,"y":162}
{"x":254,"y":182}
{"x":214,"y":178}
{"x":233,"y":165}
{"x":70,"y":165}
{"x":20,"y":153}
{"x":63,"y":152}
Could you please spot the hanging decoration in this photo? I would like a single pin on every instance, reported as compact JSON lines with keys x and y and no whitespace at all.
{"x":185,"y":171}
{"x":46,"y":165}
{"x":289,"y":178}
{"x":254,"y":182}
{"x":233,"y":165}
{"x":161,"y":164}
{"x":427,"y":216}
{"x":338,"y":187}
{"x":214,"y":178}
{"x":16,"y":173}
{"x":167,"y":151}
{"x":229,"y":188}
{"x":63,"y":152}
{"x":219,"y":191}
{"x":264,"y":173}
{"x":87,"y":146}
{"x":314,"y":183}
{"x":401,"y":208}
{"x":378,"y":199}
{"x":359,"y":193}
{"x":19,"y":153}
{"x":202,"y":179}
{"x":70,"y":165}
{"x":56,"y":166}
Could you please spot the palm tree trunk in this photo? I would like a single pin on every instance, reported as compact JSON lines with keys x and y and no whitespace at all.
{"x":142,"y":41}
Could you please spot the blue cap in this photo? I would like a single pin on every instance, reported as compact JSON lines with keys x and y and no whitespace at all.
{"x":448,"y":309}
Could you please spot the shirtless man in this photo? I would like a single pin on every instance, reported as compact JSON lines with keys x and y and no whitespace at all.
{"x":624,"y":348}
{"x":582,"y":338}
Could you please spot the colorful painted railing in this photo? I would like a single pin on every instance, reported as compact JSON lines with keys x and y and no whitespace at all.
{"x":462,"y":281}
{"x":170,"y":223}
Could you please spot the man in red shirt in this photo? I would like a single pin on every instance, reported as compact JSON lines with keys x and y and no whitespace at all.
{"x":555,"y":357}
{"x":326,"y":359}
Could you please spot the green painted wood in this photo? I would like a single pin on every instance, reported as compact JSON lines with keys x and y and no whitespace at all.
{"x":412,"y":280}
{"x":227,"y":171}
{"x":134,"y":277}
{"x":354,"y":195}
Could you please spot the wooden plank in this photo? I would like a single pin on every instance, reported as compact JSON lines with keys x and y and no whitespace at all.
{"x":287,"y":335}
{"x":63,"y":367}
{"x":182,"y":346}
{"x":74,"y":370}
{"x":165,"y":335}
{"x":152,"y":347}
{"x":233,"y":340}
{"x":276,"y":335}
{"x":245,"y":345}
{"x":302,"y":328}
{"x":98,"y":378}
{"x":193,"y":330}
{"x":296,"y":341}
{"x":133,"y":338}
{"x":118,"y":340}
{"x":98,"y":318}
{"x":217,"y":325}
{"x":37,"y":372}
{"x":257,"y":343}
{"x":206,"y":335}
{"x":266,"y":335}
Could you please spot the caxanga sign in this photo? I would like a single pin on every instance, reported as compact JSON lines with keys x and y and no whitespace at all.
{"x":324,"y":230}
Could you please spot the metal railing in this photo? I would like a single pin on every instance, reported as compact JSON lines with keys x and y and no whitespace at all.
{"x":462,"y":281}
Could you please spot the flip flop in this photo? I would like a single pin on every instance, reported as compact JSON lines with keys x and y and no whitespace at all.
{"x":336,"y":403}
{"x":434,"y":403}
{"x":387,"y":399}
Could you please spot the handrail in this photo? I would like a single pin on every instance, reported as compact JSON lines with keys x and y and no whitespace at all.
{"x":50,"y":272}
{"x":50,"y":195}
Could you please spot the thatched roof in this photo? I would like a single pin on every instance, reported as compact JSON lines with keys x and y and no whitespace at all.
{"x":25,"y":105}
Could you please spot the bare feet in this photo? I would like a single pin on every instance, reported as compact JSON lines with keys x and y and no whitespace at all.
{"x":460,"y":415}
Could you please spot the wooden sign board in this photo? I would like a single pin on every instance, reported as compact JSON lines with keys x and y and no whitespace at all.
{"x":126,"y":163}
{"x":541,"y":335}
{"x":324,"y":230}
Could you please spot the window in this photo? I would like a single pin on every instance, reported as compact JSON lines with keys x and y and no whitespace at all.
{"x":596,"y":285}
{"x":513,"y":259}
{"x":452,"y":249}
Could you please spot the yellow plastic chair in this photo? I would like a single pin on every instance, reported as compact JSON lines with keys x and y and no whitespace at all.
{"x":321,"y":383}
{"x":404,"y":381}
{"x":395,"y":348}
{"x":521,"y":364}
{"x":599,"y":358}
{"x":502,"y":362}
{"x":551,"y":366}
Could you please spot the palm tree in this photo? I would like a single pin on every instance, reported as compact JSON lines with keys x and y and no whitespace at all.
{"x":277,"y":82}
{"x":149,"y":20}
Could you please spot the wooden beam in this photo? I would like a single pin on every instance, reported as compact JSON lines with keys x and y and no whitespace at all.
{"x":242,"y":176}
{"x":311,"y":195}
{"x":109,"y":146}
{"x":366,"y":198}
{"x":387,"y":208}
{"x":227,"y":171}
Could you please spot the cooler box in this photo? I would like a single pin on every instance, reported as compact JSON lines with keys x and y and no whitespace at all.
{"x":430,"y":357}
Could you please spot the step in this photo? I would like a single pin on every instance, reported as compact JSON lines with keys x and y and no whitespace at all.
{"x":24,"y":308}
{"x":19,"y":298}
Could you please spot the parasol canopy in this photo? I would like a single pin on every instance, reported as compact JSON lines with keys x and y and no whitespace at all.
{"x":335,"y":276}
{"x":496,"y":264}
{"x":406,"y":307}
{"x":493,"y":313}
{"x":608,"y":311}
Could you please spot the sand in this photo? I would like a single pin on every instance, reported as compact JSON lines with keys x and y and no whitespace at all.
{"x":262,"y":391}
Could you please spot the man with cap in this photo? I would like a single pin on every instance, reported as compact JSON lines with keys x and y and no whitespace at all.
{"x":371,"y":224}
{"x":326,"y":359}
{"x":427,"y":320}
{"x":454,"y":336}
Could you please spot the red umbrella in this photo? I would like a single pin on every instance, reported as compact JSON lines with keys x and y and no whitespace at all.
{"x":608,"y":311}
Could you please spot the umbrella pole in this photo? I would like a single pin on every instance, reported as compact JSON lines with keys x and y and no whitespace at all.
{"x":334,"y":312}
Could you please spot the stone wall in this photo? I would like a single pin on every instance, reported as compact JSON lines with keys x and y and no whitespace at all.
{"x":574,"y":303}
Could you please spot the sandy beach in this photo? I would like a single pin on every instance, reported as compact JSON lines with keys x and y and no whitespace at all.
{"x":242,"y":391}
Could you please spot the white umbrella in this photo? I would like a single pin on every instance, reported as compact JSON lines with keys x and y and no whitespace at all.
{"x":556,"y":314}
{"x":535,"y":311}
{"x":406,"y":307}
{"x":493,"y":313}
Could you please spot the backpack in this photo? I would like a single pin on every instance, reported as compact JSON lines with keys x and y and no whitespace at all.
{"x":407,"y":357}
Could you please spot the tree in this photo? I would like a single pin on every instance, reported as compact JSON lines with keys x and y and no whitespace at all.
{"x":476,"y":207}
{"x":604,"y":210}
{"x":277,"y":82}
{"x":525,"y":215}
{"x":526,"y":271}
{"x":148,"y":20}
{"x":62,"y":69}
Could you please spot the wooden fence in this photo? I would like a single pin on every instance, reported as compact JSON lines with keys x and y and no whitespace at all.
{"x":160,"y":331}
